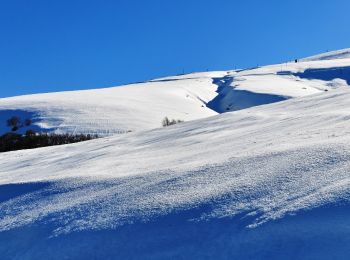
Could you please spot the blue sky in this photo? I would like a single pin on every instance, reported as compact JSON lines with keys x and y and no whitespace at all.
{"x":79,"y":44}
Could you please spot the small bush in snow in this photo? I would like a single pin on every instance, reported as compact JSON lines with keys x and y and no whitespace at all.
{"x":14,"y":122}
{"x":167,"y":122}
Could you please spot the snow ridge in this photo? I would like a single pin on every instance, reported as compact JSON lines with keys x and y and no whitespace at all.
{"x":332,"y":55}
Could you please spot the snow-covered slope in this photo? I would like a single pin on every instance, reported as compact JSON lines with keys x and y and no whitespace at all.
{"x":250,"y":167}
{"x":332,"y":55}
{"x":116,"y":110}
{"x":265,"y":182}
{"x":142,"y":106}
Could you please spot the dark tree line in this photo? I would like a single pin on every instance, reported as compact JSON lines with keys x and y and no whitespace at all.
{"x":31,"y":140}
{"x":13,"y":141}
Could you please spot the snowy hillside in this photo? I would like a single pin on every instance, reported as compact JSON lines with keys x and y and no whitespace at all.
{"x":142,"y":106}
{"x":116,"y":110}
{"x":267,"y":181}
{"x":332,"y":55}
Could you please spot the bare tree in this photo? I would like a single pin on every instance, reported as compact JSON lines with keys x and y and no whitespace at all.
{"x":165,"y":122}
{"x":14,"y":122}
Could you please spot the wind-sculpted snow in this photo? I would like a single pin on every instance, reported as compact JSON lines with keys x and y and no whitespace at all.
{"x":265,"y":162}
{"x":264,"y":187}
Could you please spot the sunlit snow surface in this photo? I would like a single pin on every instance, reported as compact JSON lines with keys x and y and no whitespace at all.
{"x":142,"y":106}
{"x":267,"y":182}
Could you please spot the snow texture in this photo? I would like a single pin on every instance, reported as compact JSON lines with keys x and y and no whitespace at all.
{"x":269,"y":180}
{"x":142,"y":106}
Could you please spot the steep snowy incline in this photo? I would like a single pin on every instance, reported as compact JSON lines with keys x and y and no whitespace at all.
{"x":238,"y":177}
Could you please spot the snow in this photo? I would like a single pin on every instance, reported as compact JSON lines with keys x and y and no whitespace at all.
{"x":332,"y":55}
{"x":116,"y":110}
{"x":142,"y":106}
{"x":269,"y":180}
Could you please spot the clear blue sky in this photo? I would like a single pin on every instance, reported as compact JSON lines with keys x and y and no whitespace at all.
{"x":78,"y":44}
